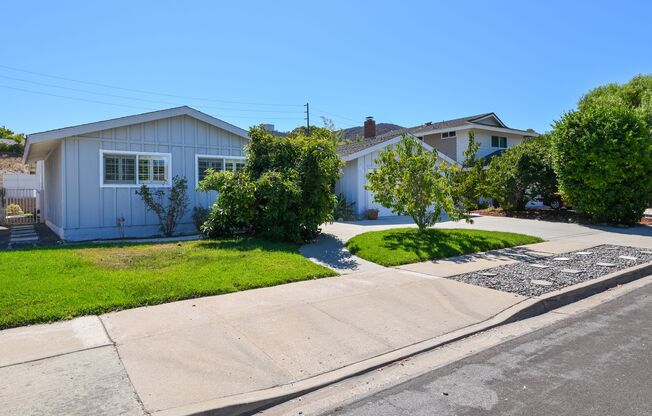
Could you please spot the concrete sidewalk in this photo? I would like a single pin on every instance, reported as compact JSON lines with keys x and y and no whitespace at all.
{"x":185,"y":356}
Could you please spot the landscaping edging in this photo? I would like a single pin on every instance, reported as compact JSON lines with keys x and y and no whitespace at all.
{"x":249,"y":403}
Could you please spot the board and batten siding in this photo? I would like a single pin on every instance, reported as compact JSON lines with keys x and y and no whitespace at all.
{"x":91,"y":211}
{"x":52,"y":189}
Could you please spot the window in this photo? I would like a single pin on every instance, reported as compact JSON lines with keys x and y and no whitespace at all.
{"x":134,"y":169}
{"x":448,"y":135}
{"x":500,"y":142}
{"x":217,"y":163}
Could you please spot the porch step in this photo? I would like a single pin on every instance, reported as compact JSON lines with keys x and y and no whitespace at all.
{"x":23,"y":234}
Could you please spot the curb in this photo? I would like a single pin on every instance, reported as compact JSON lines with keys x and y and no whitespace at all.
{"x":252,"y":402}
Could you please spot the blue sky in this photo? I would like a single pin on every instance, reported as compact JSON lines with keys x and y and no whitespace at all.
{"x":250,"y":62}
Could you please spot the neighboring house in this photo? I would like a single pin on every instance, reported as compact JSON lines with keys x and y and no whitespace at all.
{"x":92,"y":171}
{"x":450,"y":138}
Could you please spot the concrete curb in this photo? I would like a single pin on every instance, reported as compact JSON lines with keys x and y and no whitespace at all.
{"x":252,"y":402}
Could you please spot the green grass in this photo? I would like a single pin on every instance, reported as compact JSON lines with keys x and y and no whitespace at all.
{"x":48,"y":284}
{"x":407,"y":245}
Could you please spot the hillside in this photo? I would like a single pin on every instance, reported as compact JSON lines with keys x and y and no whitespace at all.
{"x":381,"y":128}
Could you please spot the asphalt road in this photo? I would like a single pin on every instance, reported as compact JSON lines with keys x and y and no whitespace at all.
{"x":596,"y":363}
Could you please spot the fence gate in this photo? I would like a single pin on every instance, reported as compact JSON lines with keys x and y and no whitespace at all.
{"x":19,"y":206}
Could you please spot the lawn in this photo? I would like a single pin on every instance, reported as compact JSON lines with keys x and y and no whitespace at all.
{"x":48,"y":284}
{"x":407,"y":245}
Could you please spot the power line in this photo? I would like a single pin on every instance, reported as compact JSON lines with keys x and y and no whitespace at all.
{"x":145,"y":91}
{"x":129,"y":106}
{"x":335,"y":115}
{"x":140,"y":99}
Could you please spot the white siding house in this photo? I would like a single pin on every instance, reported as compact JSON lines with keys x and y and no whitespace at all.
{"x":92,"y":171}
{"x":450,"y":138}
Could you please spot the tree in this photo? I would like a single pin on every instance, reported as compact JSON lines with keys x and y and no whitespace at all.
{"x":411,"y":180}
{"x":635,"y":94}
{"x":285,"y":191}
{"x":522,"y":173}
{"x":603,"y":159}
{"x":168,"y":214}
{"x":17,"y":138}
{"x":468,"y":180}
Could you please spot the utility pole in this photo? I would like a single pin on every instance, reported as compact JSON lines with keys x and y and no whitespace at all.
{"x":307,"y":105}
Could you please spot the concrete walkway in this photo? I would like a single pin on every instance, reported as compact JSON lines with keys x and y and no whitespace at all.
{"x":185,"y":356}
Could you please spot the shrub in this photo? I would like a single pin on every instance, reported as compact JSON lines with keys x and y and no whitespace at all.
{"x":603,"y":159}
{"x":343,"y":211}
{"x":285,"y":191}
{"x":467,"y":181}
{"x":14,"y":209}
{"x":177,"y":204}
{"x":200,"y":216}
{"x":234,"y":209}
{"x":522,"y":173}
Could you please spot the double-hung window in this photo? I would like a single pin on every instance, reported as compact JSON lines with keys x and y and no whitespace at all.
{"x":497,"y":141}
{"x":121,"y":168}
{"x":217,"y":163}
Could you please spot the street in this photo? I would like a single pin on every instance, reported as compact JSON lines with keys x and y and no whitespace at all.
{"x":596,"y":363}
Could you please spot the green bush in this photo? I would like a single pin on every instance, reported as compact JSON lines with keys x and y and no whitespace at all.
{"x":603,"y":159}
{"x":168,"y":213}
{"x":284,"y":193}
{"x":522,"y":173}
{"x":200,"y":216}
{"x":343,"y":210}
{"x":234,"y":209}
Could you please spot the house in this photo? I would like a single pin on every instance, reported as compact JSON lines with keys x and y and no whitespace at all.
{"x":450,"y":138}
{"x":91,"y":171}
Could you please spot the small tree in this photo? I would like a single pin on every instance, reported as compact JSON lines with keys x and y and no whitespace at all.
{"x":168,"y":214}
{"x":411,"y":180}
{"x":522,"y":173}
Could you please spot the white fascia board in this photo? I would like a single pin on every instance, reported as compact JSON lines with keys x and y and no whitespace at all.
{"x":474,"y":126}
{"x":490,"y":115}
{"x":390,"y":142}
{"x":135,"y":119}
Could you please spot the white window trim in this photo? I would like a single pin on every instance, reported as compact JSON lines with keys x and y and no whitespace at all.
{"x":499,"y":146}
{"x":223,"y":157}
{"x":449,"y":137}
{"x":168,"y":179}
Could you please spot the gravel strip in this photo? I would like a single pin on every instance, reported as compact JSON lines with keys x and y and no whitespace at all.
{"x":538,"y":276}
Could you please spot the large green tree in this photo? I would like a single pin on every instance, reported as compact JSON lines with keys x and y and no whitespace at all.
{"x":603,"y":159}
{"x":522,"y":173}
{"x":412,"y":180}
{"x":285,"y":192}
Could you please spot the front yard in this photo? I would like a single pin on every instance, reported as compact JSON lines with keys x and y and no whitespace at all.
{"x":47,"y":284}
{"x":406,"y":245}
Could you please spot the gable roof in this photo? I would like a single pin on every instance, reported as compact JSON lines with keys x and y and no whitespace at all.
{"x":478,"y":120}
{"x":57,"y":134}
{"x":135,"y":119}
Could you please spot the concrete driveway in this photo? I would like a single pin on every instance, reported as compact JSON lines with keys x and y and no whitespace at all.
{"x":329,"y":248}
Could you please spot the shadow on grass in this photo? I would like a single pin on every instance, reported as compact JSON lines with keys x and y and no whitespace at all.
{"x":439,"y":244}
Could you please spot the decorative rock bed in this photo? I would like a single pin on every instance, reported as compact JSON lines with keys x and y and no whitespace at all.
{"x":535,"y":277}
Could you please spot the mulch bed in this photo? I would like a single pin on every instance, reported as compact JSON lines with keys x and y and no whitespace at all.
{"x":561,"y":215}
{"x":557,"y":271}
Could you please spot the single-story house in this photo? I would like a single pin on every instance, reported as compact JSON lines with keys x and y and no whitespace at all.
{"x":91,"y":172}
{"x":450,"y":138}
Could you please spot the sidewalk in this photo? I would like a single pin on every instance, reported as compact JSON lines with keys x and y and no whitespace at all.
{"x":186,"y":356}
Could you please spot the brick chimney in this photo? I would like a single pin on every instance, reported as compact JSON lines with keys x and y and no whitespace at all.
{"x":369,"y":127}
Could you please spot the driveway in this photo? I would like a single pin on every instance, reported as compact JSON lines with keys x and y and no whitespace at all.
{"x":329,"y":248}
